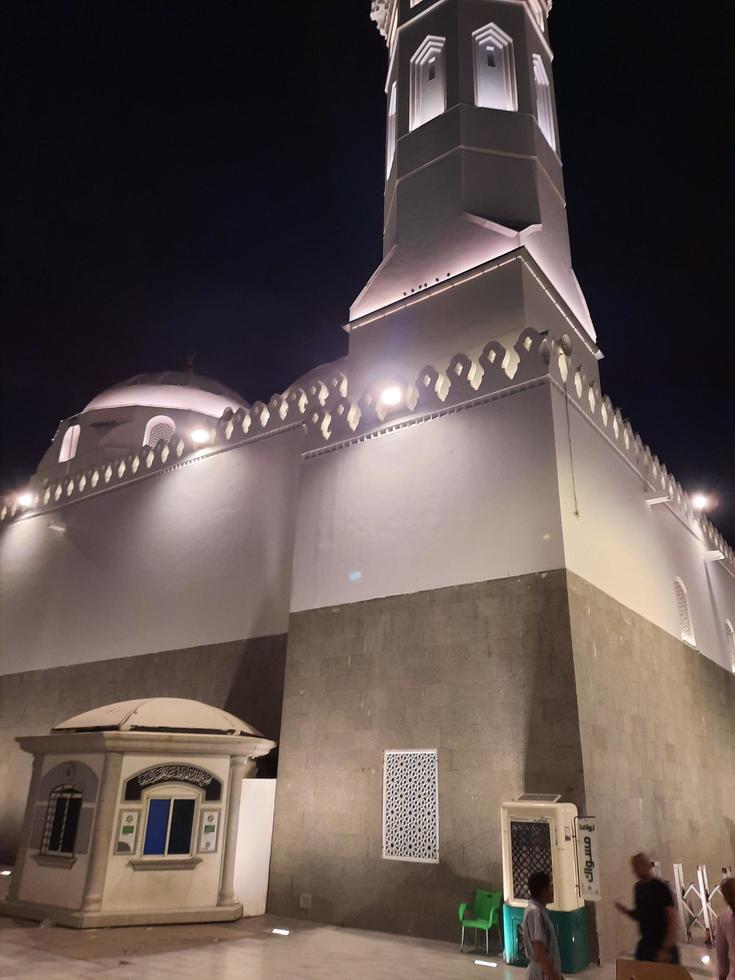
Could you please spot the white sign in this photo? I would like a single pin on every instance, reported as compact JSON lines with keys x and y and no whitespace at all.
{"x":588,"y":858}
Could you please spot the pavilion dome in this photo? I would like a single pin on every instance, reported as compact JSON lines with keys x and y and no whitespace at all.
{"x":170,"y":389}
{"x":158,"y":715}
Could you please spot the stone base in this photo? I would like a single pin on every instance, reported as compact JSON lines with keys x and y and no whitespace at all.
{"x":78,"y":919}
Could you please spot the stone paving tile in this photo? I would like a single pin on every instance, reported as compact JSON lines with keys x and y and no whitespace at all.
{"x":248,"y":950}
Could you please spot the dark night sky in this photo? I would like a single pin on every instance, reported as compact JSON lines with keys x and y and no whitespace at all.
{"x":208,"y":176}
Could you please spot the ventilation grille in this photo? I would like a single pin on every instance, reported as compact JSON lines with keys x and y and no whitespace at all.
{"x":530,"y":851}
{"x":411,"y":806}
{"x":686,"y":630}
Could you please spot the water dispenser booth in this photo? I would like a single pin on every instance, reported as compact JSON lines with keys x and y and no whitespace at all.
{"x":538,"y":834}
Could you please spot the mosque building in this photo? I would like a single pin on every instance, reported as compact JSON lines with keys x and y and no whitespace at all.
{"x":440,"y":572}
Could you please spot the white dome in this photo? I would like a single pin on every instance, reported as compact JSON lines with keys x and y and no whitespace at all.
{"x":158,"y":714}
{"x":170,"y":389}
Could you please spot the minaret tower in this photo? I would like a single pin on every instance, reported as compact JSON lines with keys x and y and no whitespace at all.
{"x":473,"y":167}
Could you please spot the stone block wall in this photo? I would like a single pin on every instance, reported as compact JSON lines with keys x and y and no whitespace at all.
{"x":481,"y":672}
{"x":657,"y":724}
{"x":243,"y":676}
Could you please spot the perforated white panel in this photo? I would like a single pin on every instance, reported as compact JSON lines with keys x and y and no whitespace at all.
{"x":411,"y":806}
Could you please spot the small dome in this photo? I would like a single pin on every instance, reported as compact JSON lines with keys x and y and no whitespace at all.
{"x":170,"y":389}
{"x":158,"y":715}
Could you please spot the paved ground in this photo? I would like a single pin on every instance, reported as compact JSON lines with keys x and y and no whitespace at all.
{"x":246,"y":950}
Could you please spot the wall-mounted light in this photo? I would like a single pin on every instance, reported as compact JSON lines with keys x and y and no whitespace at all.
{"x":391,"y":396}
{"x":700,"y":501}
{"x":25,"y":499}
{"x":200,"y":436}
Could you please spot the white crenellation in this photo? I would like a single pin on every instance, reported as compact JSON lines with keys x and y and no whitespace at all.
{"x":330,"y":418}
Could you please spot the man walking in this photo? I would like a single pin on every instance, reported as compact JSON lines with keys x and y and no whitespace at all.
{"x":654,"y":912}
{"x":539,"y":935}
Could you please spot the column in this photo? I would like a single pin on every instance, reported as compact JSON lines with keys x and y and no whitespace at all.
{"x":25,"y":834}
{"x":240,"y":767}
{"x":104,"y":821}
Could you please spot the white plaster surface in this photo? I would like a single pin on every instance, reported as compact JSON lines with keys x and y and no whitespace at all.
{"x":197,"y":555}
{"x":131,"y":890}
{"x":464,"y":498}
{"x":254,"y":835}
{"x":61,"y":885}
{"x":630,"y":550}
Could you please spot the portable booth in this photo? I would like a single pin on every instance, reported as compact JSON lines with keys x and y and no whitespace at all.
{"x":539,"y":834}
{"x":132,"y":816}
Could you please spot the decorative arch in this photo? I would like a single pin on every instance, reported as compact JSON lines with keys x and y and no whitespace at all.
{"x":495,"y":73}
{"x":173,"y":772}
{"x":390,"y":141}
{"x":428,"y":81}
{"x":730,"y":643}
{"x":157,"y":428}
{"x":686,"y":627}
{"x":69,"y":443}
{"x":544,"y":106}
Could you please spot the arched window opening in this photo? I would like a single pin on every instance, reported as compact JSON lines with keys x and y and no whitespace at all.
{"x":544,"y":110}
{"x":495,"y":74}
{"x":391,"y":134}
{"x":730,"y":643}
{"x":686,"y":628}
{"x":62,"y":820}
{"x":428,"y":82}
{"x":538,"y":13}
{"x":69,"y":443}
{"x":159,"y":427}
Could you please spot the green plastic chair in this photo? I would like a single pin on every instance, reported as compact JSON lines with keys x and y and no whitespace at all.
{"x":484,"y":913}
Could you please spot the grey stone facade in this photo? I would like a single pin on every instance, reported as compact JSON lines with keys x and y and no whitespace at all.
{"x":481,"y":672}
{"x":657,"y":722}
{"x":244,"y":677}
{"x":540,"y":683}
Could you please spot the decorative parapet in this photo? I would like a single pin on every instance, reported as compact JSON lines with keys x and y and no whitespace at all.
{"x":331,"y":419}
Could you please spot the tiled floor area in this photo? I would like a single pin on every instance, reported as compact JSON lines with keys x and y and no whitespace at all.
{"x":247,"y":950}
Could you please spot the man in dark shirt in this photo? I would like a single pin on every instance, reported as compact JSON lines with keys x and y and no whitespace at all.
{"x":654,"y":913}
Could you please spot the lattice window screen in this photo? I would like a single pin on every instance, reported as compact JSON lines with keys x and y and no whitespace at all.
{"x":686,"y":629}
{"x":411,"y":806}
{"x":530,"y":851}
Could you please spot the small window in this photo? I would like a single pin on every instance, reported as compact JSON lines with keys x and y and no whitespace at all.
{"x":390,"y":142}
{"x":62,"y":821}
{"x":686,"y":628}
{"x":69,"y":443}
{"x":544,"y":110}
{"x":411,"y":806}
{"x":168,"y":827}
{"x":730,"y":643}
{"x":495,"y":73}
{"x":159,"y":427}
{"x":428,"y":82}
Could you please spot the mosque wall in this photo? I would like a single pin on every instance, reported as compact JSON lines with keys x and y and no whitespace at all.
{"x":195,"y":555}
{"x":657,"y":730}
{"x":467,"y":497}
{"x":483,"y":673}
{"x":244,"y":677}
{"x":628,"y":548}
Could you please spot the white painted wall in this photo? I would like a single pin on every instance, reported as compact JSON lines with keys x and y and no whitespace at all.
{"x":464,"y":498}
{"x":131,"y":890}
{"x":633,"y":551}
{"x":60,"y":886}
{"x":254,"y":835}
{"x":197,"y":555}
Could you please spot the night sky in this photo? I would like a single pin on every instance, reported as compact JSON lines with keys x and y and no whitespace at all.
{"x":208,"y":177}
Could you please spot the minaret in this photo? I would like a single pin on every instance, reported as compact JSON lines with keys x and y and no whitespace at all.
{"x":473,"y":169}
